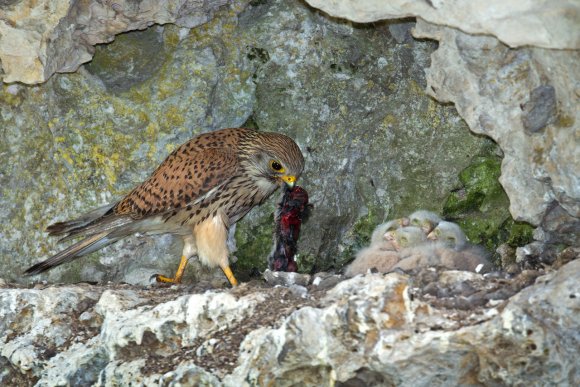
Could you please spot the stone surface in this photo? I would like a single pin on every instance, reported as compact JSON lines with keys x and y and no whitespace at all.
{"x":539,"y":170}
{"x":545,"y":23}
{"x":40,"y":38}
{"x":376,"y":145}
{"x":438,"y":327}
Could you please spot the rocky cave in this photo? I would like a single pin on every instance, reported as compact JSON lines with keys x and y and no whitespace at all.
{"x":465,"y":109}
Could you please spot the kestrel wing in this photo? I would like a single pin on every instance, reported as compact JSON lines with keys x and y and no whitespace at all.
{"x":185,"y":176}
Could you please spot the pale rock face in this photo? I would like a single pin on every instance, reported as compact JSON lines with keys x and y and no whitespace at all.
{"x":545,"y":23}
{"x":373,"y":329}
{"x":40,"y":38}
{"x":491,"y":86}
{"x":525,"y":99}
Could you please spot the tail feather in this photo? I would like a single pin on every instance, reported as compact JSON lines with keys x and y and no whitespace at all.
{"x":83,"y":247}
{"x":107,"y":223}
{"x":75,"y":225}
{"x":98,"y":229}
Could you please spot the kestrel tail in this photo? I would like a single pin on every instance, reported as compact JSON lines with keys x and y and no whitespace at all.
{"x":199,"y":191}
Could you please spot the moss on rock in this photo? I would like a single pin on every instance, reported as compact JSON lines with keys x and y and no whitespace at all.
{"x":481,"y":207}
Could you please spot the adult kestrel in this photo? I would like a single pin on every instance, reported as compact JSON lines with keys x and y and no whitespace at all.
{"x":199,"y":191}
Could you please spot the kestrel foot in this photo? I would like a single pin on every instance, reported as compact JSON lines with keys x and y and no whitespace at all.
{"x":230,"y":276}
{"x":177,"y":278}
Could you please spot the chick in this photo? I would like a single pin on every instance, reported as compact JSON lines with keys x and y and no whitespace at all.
{"x":426,"y":220}
{"x":459,"y":254}
{"x":448,"y":234}
{"x":383,"y":255}
{"x":378,"y":235}
{"x":372,"y":257}
{"x":406,"y":237}
{"x":448,"y":248}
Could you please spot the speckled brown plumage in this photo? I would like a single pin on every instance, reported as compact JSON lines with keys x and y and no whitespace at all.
{"x":199,"y":191}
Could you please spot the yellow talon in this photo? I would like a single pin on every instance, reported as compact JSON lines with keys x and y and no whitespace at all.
{"x":230,"y":275}
{"x":178,"y":274}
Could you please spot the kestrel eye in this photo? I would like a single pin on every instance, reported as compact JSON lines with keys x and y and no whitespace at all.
{"x":276,"y":166}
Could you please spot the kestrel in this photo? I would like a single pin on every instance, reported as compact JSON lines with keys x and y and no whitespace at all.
{"x":199,"y":191}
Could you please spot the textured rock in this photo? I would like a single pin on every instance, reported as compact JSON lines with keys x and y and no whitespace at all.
{"x":491,"y":86}
{"x":445,"y":327}
{"x":41,"y":38}
{"x":545,"y":23}
{"x":351,"y":96}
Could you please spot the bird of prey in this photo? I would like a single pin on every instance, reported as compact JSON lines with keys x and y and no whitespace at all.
{"x":199,"y":191}
{"x":291,"y":212}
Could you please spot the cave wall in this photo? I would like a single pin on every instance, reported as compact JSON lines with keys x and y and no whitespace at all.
{"x":355,"y":97}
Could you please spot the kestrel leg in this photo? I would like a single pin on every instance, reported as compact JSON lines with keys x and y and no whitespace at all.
{"x":211,"y":237}
{"x":189,"y":250}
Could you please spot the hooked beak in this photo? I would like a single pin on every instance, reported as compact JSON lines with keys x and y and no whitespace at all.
{"x":432,"y":236}
{"x":289,"y":180}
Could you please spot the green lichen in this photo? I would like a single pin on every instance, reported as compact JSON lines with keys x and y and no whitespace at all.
{"x":481,"y":207}
{"x":358,"y":237}
{"x":515,"y":233}
{"x":565,"y":121}
{"x":254,"y":242}
{"x":480,"y":189}
{"x":9,"y":98}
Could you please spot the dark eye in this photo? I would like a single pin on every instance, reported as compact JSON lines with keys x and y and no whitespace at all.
{"x":276,"y":166}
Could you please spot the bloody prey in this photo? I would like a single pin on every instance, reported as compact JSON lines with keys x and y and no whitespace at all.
{"x":291,"y":212}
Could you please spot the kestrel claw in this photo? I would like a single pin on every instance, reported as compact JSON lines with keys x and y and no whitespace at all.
{"x":199,"y":191}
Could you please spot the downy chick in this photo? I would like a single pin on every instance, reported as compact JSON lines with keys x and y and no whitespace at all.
{"x":382,"y":256}
{"x":378,"y":236}
{"x":426,"y":220}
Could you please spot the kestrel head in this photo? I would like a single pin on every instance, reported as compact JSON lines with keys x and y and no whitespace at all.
{"x":271,"y":160}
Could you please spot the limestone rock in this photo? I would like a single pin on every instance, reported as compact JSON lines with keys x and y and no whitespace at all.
{"x":491,"y":85}
{"x":447,"y":327}
{"x":351,"y":96}
{"x":41,"y":38}
{"x":545,"y":23}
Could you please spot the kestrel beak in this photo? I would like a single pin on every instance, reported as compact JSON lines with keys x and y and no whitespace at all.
{"x":432,"y":236}
{"x":289,"y":180}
